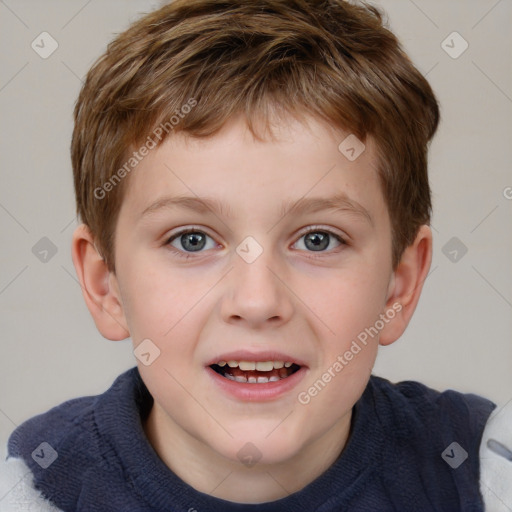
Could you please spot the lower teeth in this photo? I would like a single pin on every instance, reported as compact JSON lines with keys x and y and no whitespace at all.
{"x":255,"y":377}
{"x":252,"y":380}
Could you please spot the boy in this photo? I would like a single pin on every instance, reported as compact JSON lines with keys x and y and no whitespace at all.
{"x":252,"y":182}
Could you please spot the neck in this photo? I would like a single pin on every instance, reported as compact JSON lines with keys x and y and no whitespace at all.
{"x":209,"y":472}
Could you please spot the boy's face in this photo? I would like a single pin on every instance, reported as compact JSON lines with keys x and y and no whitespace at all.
{"x":255,"y":288}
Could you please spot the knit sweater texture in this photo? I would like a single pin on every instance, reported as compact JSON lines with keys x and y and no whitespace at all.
{"x":405,"y":442}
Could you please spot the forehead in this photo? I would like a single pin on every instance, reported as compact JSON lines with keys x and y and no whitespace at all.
{"x":241,"y":174}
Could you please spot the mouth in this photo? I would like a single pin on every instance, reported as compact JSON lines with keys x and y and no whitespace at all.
{"x":256,"y":377}
{"x":255,"y":372}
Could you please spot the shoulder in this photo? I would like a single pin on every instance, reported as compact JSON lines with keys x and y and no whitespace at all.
{"x":413,"y":401}
{"x":65,"y":426}
{"x":496,"y":460}
{"x":41,"y":453}
{"x":17,"y":491}
{"x":55,"y":428}
{"x":433,"y":434}
{"x":67,"y":446}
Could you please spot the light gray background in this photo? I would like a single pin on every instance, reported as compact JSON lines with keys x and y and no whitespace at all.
{"x":460,"y":336}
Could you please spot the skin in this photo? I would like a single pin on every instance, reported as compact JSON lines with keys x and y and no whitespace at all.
{"x":305,"y":303}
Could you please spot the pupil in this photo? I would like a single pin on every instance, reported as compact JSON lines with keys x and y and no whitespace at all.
{"x":193,"y":241}
{"x":317,"y":241}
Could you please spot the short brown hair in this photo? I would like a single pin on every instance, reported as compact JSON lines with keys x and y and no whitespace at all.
{"x":328,"y":58}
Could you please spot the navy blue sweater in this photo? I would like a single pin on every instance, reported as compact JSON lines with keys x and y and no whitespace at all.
{"x":392,"y":461}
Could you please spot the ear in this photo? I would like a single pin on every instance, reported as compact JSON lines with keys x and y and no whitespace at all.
{"x":405,"y":286}
{"x":99,"y":286}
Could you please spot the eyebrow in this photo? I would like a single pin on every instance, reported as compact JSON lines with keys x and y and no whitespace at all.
{"x":196,"y":204}
{"x":338,"y":202}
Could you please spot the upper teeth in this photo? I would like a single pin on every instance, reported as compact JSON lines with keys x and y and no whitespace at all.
{"x":262,"y":366}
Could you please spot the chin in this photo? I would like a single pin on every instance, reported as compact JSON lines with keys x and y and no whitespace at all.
{"x":257,"y":449}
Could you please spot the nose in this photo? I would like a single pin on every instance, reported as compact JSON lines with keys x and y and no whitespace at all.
{"x":256,"y":295}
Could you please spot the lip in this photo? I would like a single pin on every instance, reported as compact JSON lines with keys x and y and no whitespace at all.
{"x":244,"y":355}
{"x":257,"y":392}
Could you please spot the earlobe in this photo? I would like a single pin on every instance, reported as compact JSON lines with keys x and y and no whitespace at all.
{"x":406,"y":285}
{"x":99,"y":286}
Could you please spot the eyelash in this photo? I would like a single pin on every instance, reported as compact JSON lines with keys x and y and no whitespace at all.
{"x":184,"y":254}
{"x":188,"y":255}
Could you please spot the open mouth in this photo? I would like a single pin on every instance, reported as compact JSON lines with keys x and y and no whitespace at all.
{"x":255,"y":372}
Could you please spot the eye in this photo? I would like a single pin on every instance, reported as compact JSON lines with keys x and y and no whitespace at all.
{"x":319,"y":240}
{"x":191,"y":240}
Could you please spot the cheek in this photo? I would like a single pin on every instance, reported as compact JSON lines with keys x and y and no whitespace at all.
{"x":347,"y":303}
{"x":158,"y":299}
{"x":347,"y":356}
